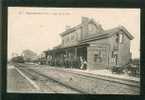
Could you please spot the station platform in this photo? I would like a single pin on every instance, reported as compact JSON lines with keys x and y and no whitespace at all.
{"x":101,"y":72}
{"x":108,"y":73}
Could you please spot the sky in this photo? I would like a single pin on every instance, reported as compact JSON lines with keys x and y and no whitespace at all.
{"x":38,"y":28}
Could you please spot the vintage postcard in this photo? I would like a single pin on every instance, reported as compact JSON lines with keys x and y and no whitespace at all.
{"x":73,"y":50}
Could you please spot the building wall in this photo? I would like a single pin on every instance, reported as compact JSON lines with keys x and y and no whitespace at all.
{"x":104,"y":49}
{"x":108,"y":46}
{"x":123,"y":50}
{"x":100,"y":48}
{"x":71,"y":38}
{"x":90,"y":28}
{"x":114,"y":47}
{"x":86,"y":29}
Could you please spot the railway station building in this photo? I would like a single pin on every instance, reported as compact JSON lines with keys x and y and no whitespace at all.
{"x":101,"y":48}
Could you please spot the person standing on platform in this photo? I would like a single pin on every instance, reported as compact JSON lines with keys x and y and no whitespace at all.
{"x":81,"y":60}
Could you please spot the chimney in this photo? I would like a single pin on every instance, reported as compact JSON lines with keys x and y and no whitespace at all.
{"x":67,"y":27}
{"x":85,"y":19}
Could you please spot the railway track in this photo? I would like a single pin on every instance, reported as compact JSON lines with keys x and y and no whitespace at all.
{"x":33,"y":76}
{"x":81,"y":76}
{"x":44,"y":80}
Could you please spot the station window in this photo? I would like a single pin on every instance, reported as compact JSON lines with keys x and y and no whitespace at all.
{"x":117,"y":38}
{"x":95,"y":57}
{"x":112,"y":54}
{"x":63,"y":41}
{"x":98,"y":58}
{"x":120,"y":38}
{"x":72,"y":37}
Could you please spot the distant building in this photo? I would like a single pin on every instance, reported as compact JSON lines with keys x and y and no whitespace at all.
{"x":101,"y":48}
{"x":15,"y":54}
{"x":29,"y":55}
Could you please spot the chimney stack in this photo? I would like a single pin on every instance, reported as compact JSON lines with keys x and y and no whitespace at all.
{"x":85,"y":19}
{"x":67,"y":27}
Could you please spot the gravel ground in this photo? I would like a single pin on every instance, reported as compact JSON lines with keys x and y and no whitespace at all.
{"x":88,"y":85}
{"x":17,"y":83}
{"x":85,"y":84}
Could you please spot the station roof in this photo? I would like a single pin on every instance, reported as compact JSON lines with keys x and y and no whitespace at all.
{"x":108,"y":33}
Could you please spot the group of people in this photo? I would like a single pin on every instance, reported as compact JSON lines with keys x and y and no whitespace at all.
{"x":68,"y":62}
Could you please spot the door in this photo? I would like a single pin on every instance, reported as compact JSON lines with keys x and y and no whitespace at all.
{"x":82,"y":52}
{"x":114,"y":58}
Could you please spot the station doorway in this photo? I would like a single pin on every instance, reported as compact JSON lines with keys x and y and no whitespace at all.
{"x":82,"y":52}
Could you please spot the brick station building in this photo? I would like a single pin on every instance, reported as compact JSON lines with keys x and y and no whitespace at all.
{"x":101,"y":48}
